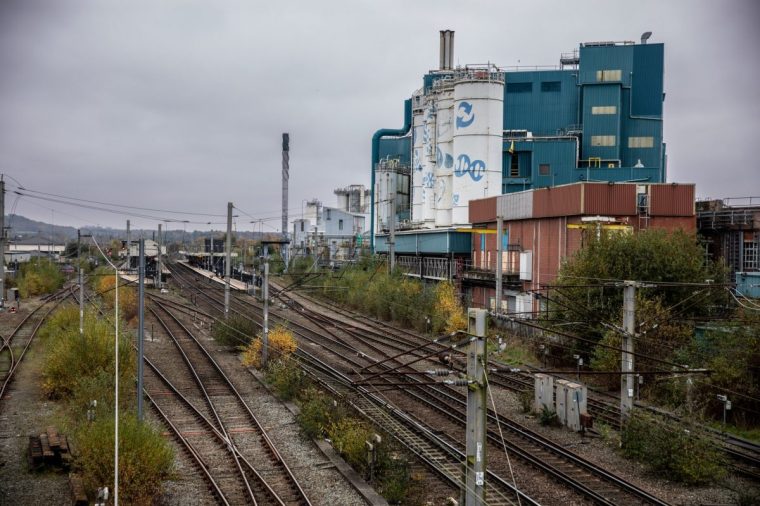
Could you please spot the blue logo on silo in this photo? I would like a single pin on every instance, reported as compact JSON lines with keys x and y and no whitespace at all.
{"x":465,"y":116}
{"x":428,"y":180}
{"x":475,"y":168}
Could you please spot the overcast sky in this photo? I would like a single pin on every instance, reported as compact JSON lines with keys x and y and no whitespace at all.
{"x":180,"y":105}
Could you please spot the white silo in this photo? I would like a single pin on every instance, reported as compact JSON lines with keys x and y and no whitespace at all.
{"x":418,"y":155}
{"x":478,"y":125}
{"x":444,"y":156}
{"x":428,"y":169}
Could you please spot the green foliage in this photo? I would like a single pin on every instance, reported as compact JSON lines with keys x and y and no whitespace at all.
{"x":671,"y":451}
{"x":369,"y":288}
{"x":316,"y":413}
{"x":39,"y":276}
{"x":348,"y":436}
{"x":286,"y":377}
{"x":145,"y":458}
{"x":548,"y":417}
{"x":73,"y":359}
{"x":526,"y":400}
{"x":235,"y":331}
{"x":648,"y":255}
{"x":79,"y":369}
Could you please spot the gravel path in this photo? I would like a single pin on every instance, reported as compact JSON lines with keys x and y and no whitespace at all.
{"x":24,"y":412}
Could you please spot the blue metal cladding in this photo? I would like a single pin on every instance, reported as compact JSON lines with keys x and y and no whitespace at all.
{"x":431,"y":243}
{"x":396,"y":148}
{"x":557,"y":154}
{"x":543,"y":102}
{"x":647,"y":87}
{"x":612,"y":57}
{"x":601,"y":125}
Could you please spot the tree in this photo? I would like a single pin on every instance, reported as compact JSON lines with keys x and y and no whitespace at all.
{"x":588,"y":293}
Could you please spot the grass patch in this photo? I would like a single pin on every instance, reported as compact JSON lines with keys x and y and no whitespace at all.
{"x":671,"y":451}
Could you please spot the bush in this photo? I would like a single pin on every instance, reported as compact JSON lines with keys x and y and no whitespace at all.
{"x":286,"y":377}
{"x":39,"y":276}
{"x":235,"y":331}
{"x":315,"y":416}
{"x":282,"y":345}
{"x":671,"y":451}
{"x":548,"y":417}
{"x":349,"y":436}
{"x":145,"y":458}
{"x":72,"y":359}
{"x":106,"y":288}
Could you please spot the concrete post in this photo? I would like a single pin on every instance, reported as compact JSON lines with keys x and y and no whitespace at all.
{"x":158,"y":257}
{"x":475,"y":465}
{"x":629,"y":326}
{"x":227,"y":262}
{"x":499,"y":254}
{"x":265,"y":326}
{"x":140,"y":327}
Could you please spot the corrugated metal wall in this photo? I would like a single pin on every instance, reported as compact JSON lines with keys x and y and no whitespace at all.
{"x":671,"y":200}
{"x":609,"y":199}
{"x":515,"y":206}
{"x":483,"y":210}
{"x":558,"y":201}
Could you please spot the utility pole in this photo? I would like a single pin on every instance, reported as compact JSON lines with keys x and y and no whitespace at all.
{"x":629,"y":326}
{"x":140,"y":328}
{"x":81,"y":284}
{"x":227,"y":261}
{"x":285,"y":179}
{"x":474,"y":493}
{"x":499,"y":254}
{"x":2,"y":241}
{"x":392,"y":218}
{"x":265,"y":294}
{"x":129,"y":245}
{"x":158,"y":257}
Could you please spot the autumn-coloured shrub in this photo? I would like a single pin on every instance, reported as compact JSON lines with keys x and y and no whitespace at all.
{"x":282,"y":344}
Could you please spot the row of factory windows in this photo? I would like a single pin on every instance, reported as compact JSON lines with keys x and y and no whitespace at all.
{"x":611,"y":141}
{"x":556,"y":86}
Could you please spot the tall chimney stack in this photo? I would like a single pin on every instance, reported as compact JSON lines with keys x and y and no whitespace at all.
{"x":446,"y":60}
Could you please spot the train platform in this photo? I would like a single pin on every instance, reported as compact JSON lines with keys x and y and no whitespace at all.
{"x":235,"y":284}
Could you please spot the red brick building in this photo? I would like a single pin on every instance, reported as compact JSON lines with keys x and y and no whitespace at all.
{"x":544,"y":227}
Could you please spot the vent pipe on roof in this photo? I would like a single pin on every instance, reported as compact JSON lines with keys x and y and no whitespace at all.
{"x":446,"y":59}
{"x":645,"y":37}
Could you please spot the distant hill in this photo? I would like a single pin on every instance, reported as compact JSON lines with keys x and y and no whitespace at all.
{"x":22,"y":230}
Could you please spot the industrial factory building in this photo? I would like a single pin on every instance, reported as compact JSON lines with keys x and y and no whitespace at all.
{"x":479,"y":131}
{"x":541,"y":228}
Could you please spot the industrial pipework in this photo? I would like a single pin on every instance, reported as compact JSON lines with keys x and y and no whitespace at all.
{"x":385,"y":132}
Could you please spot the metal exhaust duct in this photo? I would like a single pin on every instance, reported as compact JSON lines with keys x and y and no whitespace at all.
{"x":446,"y":59}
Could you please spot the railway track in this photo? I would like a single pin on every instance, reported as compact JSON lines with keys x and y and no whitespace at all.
{"x":212,"y":421}
{"x":14,"y":347}
{"x":742,"y":456}
{"x":585,"y":477}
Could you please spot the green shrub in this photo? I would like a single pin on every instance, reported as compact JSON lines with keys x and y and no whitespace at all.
{"x":39,"y":276}
{"x":72,"y":358}
{"x":349,"y":437}
{"x":145,"y":458}
{"x":526,"y":398}
{"x":286,"y":377}
{"x":548,"y":417}
{"x":315,"y":416}
{"x":235,"y":331}
{"x":394,"y":476}
{"x":671,"y":450}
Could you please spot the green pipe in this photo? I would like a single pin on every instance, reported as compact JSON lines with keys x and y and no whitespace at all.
{"x":385,"y":132}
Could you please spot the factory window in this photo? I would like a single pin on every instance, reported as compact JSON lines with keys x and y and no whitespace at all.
{"x":301,"y":226}
{"x":604,"y":109}
{"x":543,"y":169}
{"x":751,"y":256}
{"x":514,"y":166}
{"x":328,"y":214}
{"x":340,"y":224}
{"x":608,"y":75}
{"x":551,"y":86}
{"x":519,"y":87}
{"x":640,"y":142}
{"x":602,"y":140}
